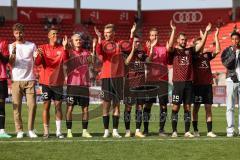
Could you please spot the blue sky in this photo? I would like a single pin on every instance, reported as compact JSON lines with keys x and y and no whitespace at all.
{"x":126,"y":4}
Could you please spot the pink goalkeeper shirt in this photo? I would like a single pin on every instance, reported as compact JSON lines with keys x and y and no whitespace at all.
{"x":77,"y":68}
{"x":157,"y":70}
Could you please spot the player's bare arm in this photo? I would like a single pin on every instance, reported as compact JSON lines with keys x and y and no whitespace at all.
{"x":99,"y":35}
{"x":204,"y":38}
{"x":12,"y":57}
{"x":133,"y":29}
{"x":171,"y":40}
{"x":218,"y":47}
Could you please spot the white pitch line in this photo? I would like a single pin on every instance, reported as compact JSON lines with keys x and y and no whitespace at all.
{"x":117,"y":140}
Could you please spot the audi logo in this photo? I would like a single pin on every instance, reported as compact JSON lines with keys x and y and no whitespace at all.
{"x":187,"y":17}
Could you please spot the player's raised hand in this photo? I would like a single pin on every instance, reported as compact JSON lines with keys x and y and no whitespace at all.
{"x":172,"y":25}
{"x":148,"y":44}
{"x":94,"y":43}
{"x":134,"y":27}
{"x":208,"y":28}
{"x":154,"y":43}
{"x":98,"y":33}
{"x":65,"y":41}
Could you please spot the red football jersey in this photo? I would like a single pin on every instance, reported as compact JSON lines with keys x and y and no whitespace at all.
{"x":202,"y":69}
{"x":4,"y":54}
{"x":52,"y":61}
{"x":182,"y":64}
{"x":112,"y":58}
{"x":135,"y":71}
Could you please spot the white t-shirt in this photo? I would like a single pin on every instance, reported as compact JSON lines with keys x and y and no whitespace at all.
{"x":23,"y":67}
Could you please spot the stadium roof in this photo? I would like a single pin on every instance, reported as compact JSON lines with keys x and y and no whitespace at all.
{"x":125,"y":4}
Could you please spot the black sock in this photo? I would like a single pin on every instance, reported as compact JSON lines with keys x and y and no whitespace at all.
{"x":2,"y":115}
{"x":187,"y":120}
{"x":69,"y":124}
{"x":138,"y":118}
{"x":209,"y":126}
{"x":163,"y":117}
{"x":115,"y":122}
{"x":84,"y":124}
{"x":106,"y":122}
{"x":127,"y":119}
{"x":146,"y":117}
{"x":174,"y":121}
{"x":195,"y":125}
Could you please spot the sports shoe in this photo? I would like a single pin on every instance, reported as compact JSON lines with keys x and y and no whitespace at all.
{"x":5,"y":135}
{"x":116,"y":135}
{"x":60,"y":135}
{"x":69,"y":135}
{"x":188,"y":135}
{"x":85,"y":134}
{"x":162,"y":134}
{"x":146,"y":133}
{"x":211,"y":134}
{"x":45,"y":136}
{"x":106,"y":135}
{"x":32,"y":134}
{"x":20,"y":134}
{"x":139,"y":135}
{"x":174,"y":134}
{"x":196,"y":134}
{"x":127,"y":134}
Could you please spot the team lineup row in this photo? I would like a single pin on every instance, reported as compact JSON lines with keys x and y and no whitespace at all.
{"x":135,"y":73}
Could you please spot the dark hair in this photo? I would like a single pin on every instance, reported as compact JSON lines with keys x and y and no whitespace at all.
{"x":153,"y":29}
{"x":18,"y":27}
{"x":235,"y":33}
{"x":53,"y":29}
{"x":181,"y":34}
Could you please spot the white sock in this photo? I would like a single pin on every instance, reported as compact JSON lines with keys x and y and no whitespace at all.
{"x":84,"y":130}
{"x":137,"y":130}
{"x":2,"y":131}
{"x":127,"y":131}
{"x":115,"y":131}
{"x":69,"y":131}
{"x":106,"y":131}
{"x":58,"y":126}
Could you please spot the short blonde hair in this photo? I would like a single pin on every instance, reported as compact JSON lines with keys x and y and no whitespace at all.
{"x":112,"y":26}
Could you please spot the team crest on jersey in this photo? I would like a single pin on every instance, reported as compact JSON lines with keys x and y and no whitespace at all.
{"x":204,"y":65}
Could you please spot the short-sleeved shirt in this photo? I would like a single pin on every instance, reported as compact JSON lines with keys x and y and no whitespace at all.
{"x":135,"y":70}
{"x":157,"y":69}
{"x":112,"y":58}
{"x":51,"y":74}
{"x":22,"y":69}
{"x":182,"y":64}
{"x":202,"y":69}
{"x":77,"y":68}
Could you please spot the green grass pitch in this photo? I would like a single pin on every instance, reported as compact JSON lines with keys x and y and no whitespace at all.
{"x":97,"y":148}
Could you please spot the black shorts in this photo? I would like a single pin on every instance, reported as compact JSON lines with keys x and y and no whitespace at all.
{"x":203,"y":94}
{"x":3,"y":89}
{"x":161,"y":92}
{"x":182,"y":93}
{"x":112,"y":89}
{"x":52,"y":92}
{"x":78,"y":95}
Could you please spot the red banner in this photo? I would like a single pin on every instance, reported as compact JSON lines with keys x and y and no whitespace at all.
{"x":36,"y":15}
{"x":107,"y":16}
{"x":186,"y":16}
